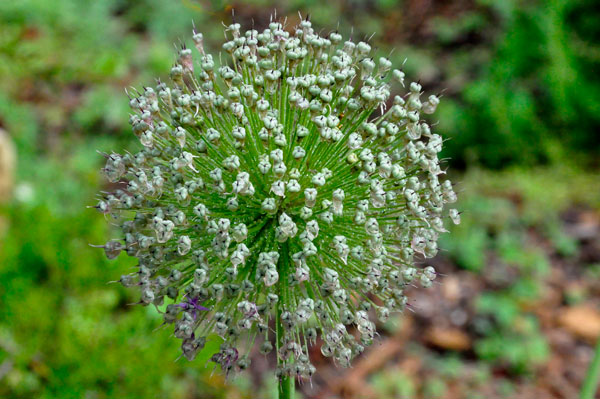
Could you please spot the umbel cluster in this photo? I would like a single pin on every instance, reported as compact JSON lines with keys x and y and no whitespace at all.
{"x":279,"y":198}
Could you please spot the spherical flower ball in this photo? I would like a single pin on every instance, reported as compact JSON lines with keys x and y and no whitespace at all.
{"x":279,"y":198}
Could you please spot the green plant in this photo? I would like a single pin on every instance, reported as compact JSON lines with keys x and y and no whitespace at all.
{"x":278,"y":188}
{"x":529,"y":82}
{"x":590,"y":384}
{"x":394,"y":383}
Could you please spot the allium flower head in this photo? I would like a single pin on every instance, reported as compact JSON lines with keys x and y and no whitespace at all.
{"x":280,"y":197}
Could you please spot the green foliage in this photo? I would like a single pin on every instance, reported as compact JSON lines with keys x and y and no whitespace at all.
{"x":482,"y":216}
{"x":512,"y":335}
{"x":434,"y":388}
{"x":394,"y":384}
{"x":533,"y":90}
{"x":521,"y":347}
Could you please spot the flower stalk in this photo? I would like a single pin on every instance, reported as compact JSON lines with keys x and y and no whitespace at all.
{"x":590,"y":384}
{"x":286,"y":387}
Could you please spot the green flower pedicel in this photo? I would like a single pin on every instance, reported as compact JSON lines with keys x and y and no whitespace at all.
{"x":280,"y":198}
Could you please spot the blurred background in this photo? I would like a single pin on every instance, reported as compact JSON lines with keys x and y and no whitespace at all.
{"x":517,"y":310}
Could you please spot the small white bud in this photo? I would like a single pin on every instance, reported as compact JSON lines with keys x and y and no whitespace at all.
{"x":278,"y":188}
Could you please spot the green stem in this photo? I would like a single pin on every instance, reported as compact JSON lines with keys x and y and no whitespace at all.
{"x":590,"y":384}
{"x":287,"y":385}
{"x":286,"y":388}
